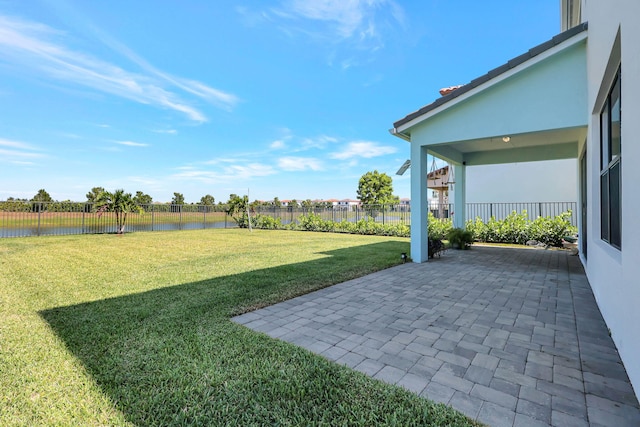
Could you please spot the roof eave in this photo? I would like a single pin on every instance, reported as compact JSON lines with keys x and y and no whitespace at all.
{"x":533,"y":56}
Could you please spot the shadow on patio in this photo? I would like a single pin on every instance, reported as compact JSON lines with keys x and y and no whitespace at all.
{"x":508,"y":336}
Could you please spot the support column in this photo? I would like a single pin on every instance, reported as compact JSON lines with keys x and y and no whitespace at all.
{"x":419,"y":204}
{"x":460,"y":196}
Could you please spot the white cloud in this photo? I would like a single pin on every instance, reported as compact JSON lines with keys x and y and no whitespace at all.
{"x":143,"y":180}
{"x":251,"y":170}
{"x":167,"y":131}
{"x":131,"y":143}
{"x":228,"y":173}
{"x":365,"y":149}
{"x":277,"y":145}
{"x":299,"y":164}
{"x":356,"y":21}
{"x":16,"y":151}
{"x":16,"y":144}
{"x":318,"y":142}
{"x":35,"y":47}
{"x":22,"y":163}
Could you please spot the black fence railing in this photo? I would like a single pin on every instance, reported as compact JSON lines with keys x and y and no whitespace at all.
{"x":44,"y":219}
{"x":499,"y":211}
{"x":385,"y":214}
{"x":20,"y":219}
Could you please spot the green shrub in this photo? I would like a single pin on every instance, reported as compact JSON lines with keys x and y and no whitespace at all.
{"x":438,"y":228}
{"x":514,"y":228}
{"x":460,"y":238}
{"x":517,"y":228}
{"x":313,"y":222}
{"x":550,"y":231}
{"x":266,"y":222}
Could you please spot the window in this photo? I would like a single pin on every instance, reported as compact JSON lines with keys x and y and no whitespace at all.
{"x":610,"y":160}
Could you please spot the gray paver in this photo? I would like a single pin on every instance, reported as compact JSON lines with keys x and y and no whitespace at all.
{"x":560,"y":419}
{"x":414,"y":383}
{"x":468,"y":405}
{"x":527,"y":421}
{"x":495,"y":415}
{"x":510,"y":337}
{"x":533,"y":410}
{"x":390,"y":374}
{"x":369,"y":367}
{"x":453,"y":381}
{"x":573,"y":408}
{"x":438,"y":392}
{"x":535,"y":396}
{"x":498,"y":397}
{"x":479,"y":375}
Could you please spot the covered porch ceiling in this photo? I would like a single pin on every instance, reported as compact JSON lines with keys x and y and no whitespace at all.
{"x":513,"y":148}
{"x":532,"y":108}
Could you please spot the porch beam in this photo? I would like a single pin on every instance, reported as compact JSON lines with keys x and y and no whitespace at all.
{"x":447,"y":153}
{"x":567,"y":150}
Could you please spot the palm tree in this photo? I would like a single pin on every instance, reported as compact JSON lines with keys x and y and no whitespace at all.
{"x":119,"y":202}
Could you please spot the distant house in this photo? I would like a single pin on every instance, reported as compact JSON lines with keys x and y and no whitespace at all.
{"x":348,"y":203}
{"x":573,"y":98}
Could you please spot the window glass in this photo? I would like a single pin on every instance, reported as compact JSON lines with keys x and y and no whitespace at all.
{"x":604,"y":136}
{"x":610,"y":166}
{"x":614,"y":131}
{"x":615,"y":237}
{"x":604,"y":207}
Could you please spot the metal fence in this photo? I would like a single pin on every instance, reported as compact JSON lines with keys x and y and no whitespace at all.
{"x":499,"y":211}
{"x":384,"y":214}
{"x":20,"y":219}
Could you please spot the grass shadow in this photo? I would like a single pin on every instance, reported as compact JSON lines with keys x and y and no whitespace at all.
{"x":171,"y":356}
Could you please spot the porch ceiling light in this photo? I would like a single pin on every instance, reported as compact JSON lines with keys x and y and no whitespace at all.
{"x":506,"y":139}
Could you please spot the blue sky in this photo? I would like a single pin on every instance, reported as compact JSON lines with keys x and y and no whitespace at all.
{"x":290,"y":99}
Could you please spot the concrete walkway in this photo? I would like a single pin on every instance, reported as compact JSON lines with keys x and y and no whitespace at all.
{"x":511,"y":337}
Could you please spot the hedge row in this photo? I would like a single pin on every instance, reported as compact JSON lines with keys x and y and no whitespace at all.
{"x":314,"y":222}
{"x":515,"y":228}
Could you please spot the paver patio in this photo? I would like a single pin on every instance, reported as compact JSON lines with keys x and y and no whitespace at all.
{"x":511,"y":337}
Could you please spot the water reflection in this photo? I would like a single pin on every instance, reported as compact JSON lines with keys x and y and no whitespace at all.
{"x":101,"y":229}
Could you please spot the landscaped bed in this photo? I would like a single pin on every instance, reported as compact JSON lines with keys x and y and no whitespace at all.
{"x":134,"y":330}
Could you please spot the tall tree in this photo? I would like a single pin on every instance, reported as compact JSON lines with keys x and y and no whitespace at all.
{"x":376,"y":188}
{"x":41,"y":201}
{"x":142,"y":199}
{"x":178,"y":199}
{"x":93,"y":194}
{"x":237,"y":209}
{"x":207,"y":200}
{"x":42,"y":196}
{"x":119,"y":202}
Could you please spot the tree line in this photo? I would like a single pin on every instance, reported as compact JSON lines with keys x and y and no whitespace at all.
{"x":374,"y":188}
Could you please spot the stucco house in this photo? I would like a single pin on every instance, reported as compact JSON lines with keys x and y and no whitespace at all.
{"x":576,"y":96}
{"x":348,"y":203}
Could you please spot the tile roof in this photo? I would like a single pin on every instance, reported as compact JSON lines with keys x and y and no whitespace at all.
{"x":454,"y":91}
{"x":447,"y":90}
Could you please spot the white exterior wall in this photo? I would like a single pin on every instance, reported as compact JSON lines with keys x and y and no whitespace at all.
{"x":614,"y":274}
{"x":548,"y":181}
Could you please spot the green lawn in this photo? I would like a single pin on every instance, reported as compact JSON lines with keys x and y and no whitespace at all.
{"x":134,"y":330}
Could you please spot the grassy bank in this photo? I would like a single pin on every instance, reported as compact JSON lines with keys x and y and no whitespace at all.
{"x":135,"y":330}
